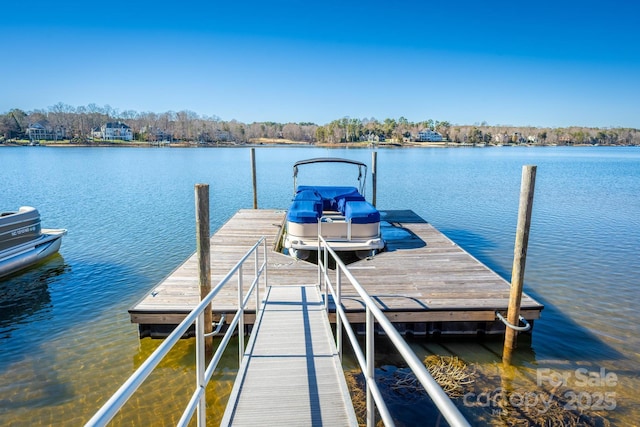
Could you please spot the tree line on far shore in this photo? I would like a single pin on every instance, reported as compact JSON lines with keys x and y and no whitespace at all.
{"x":77,"y":124}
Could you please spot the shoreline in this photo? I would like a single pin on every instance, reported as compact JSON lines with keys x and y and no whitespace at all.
{"x":285,"y":143}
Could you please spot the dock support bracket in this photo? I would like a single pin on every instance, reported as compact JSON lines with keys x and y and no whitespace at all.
{"x":524,"y":328}
{"x":218,"y":327}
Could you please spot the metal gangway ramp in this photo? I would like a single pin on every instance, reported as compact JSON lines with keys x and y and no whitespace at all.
{"x":291,"y":373}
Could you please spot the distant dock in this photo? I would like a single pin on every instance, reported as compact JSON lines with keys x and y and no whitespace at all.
{"x":424,"y":282}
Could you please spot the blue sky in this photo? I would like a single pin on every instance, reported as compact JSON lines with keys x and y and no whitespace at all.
{"x":545,"y":63}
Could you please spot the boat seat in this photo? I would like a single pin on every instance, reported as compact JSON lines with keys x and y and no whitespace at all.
{"x":305,"y":211}
{"x":330,"y":195}
{"x":343,"y":199}
{"x":359,"y":212}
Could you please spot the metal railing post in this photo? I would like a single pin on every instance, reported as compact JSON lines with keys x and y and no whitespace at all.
{"x":200,"y":368}
{"x":266,"y":270}
{"x":325,"y":269}
{"x":256,"y":270}
{"x":240,"y":319}
{"x":370,"y":374}
{"x":338,"y":302}
{"x":319,"y":264}
{"x":319,"y":247}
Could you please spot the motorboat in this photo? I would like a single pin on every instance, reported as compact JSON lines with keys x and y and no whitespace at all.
{"x":23,"y":242}
{"x":340,"y":214}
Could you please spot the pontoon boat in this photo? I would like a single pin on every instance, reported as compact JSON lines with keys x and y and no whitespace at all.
{"x":23,"y":242}
{"x":339,"y":213}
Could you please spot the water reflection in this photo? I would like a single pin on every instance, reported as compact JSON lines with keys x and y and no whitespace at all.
{"x":27,"y":293}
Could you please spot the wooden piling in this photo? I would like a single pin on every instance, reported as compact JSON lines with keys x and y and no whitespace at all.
{"x":374,"y":176}
{"x":203,"y":249}
{"x":253,"y":176}
{"x":519,"y":259}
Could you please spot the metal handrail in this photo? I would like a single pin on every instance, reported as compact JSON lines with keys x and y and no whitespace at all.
{"x":203,"y":373}
{"x":442,"y":401}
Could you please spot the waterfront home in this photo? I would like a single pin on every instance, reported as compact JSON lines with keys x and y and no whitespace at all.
{"x":428,"y":135}
{"x":44,"y":131}
{"x":372,"y":137}
{"x":152,"y":134}
{"x":113,"y":131}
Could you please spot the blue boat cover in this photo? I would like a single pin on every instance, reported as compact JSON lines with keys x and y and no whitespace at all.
{"x":308,"y":195}
{"x":310,"y":201}
{"x":349,"y":197}
{"x":305,"y":211}
{"x":361,"y":213}
{"x":330,"y":195}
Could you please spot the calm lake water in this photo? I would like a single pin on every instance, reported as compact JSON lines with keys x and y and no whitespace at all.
{"x":66,"y":343}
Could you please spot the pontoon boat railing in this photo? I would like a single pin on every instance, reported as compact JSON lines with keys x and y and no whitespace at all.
{"x":339,"y":218}
{"x":203,"y":372}
{"x":373,"y":313}
{"x":332,"y":218}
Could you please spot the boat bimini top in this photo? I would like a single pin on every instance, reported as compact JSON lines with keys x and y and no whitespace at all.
{"x":362,"y":170}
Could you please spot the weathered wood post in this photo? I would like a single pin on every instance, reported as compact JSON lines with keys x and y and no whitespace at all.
{"x":374,"y":176}
{"x":519,"y":259}
{"x":253,"y":176}
{"x":203,"y":249}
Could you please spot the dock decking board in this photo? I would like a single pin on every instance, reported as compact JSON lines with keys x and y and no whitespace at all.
{"x":422,"y":276}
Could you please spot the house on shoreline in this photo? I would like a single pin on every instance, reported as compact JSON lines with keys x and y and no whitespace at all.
{"x":44,"y":131}
{"x":428,"y":135}
{"x":113,"y":131}
{"x":154,"y":134}
{"x":373,"y":137}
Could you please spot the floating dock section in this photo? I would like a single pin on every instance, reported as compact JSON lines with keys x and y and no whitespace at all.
{"x":424,"y":282}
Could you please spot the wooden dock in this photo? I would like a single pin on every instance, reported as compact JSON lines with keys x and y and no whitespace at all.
{"x":423,"y":281}
{"x":291,"y":373}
